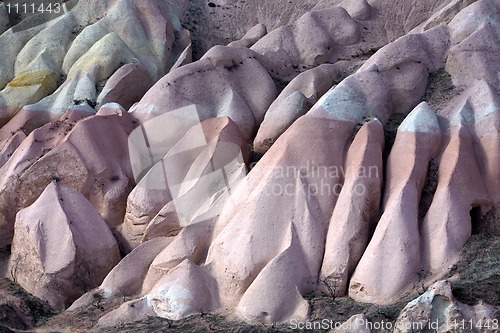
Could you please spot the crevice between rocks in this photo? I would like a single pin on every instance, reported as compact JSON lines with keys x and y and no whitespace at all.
{"x":429,"y":189}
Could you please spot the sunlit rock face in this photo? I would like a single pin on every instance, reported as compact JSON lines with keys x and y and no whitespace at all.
{"x":344,"y":147}
{"x":60,"y":240}
{"x":417,"y":142}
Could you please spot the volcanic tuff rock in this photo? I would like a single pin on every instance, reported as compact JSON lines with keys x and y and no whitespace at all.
{"x":438,"y":309}
{"x":347,"y":147}
{"x":356,"y":210}
{"x":155,"y":208}
{"x":396,"y":240}
{"x":58,"y":245}
{"x":295,"y":100}
{"x":435,"y":310}
{"x":99,"y":169}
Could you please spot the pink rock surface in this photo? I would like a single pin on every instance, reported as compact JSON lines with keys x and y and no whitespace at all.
{"x":28,"y":119}
{"x":358,"y":9}
{"x":286,"y":277}
{"x":406,"y":63}
{"x":251,"y":37}
{"x":151,"y":207}
{"x":126,"y":278}
{"x":60,"y":240}
{"x":21,"y":154}
{"x":485,"y":101}
{"x":131,"y":311}
{"x":447,"y":225}
{"x":294,"y":178}
{"x":395,"y":242}
{"x":10,"y":145}
{"x":356,"y":210}
{"x":191,"y":244}
{"x":185,"y":290}
{"x":99,"y":168}
{"x":222,"y":83}
{"x":294,"y":101}
{"x":286,"y":48}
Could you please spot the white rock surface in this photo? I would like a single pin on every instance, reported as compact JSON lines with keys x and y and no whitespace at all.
{"x":438,"y":310}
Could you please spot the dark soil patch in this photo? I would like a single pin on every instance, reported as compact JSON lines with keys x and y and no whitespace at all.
{"x":340,"y":309}
{"x":430,"y":186}
{"x":198,"y":324}
{"x":19,"y":309}
{"x":478,"y":271}
{"x":440,"y":89}
{"x":488,"y":223}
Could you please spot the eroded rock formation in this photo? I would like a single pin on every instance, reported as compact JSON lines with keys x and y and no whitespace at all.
{"x":242,"y":170}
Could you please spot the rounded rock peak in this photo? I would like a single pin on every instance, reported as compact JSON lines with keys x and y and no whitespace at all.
{"x":358,"y":9}
{"x":422,"y":119}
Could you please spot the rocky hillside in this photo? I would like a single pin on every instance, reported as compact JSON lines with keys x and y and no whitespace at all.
{"x":250,"y":165}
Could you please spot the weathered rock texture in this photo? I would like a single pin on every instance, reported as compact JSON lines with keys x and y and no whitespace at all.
{"x":437,"y":309}
{"x":62,"y":246}
{"x":242,"y":155}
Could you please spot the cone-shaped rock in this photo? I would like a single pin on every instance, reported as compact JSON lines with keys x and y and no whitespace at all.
{"x":389,"y":266}
{"x":174,"y":190}
{"x":447,"y":225}
{"x":437,"y":307}
{"x":126,"y":86}
{"x":99,"y":169}
{"x":291,"y":184}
